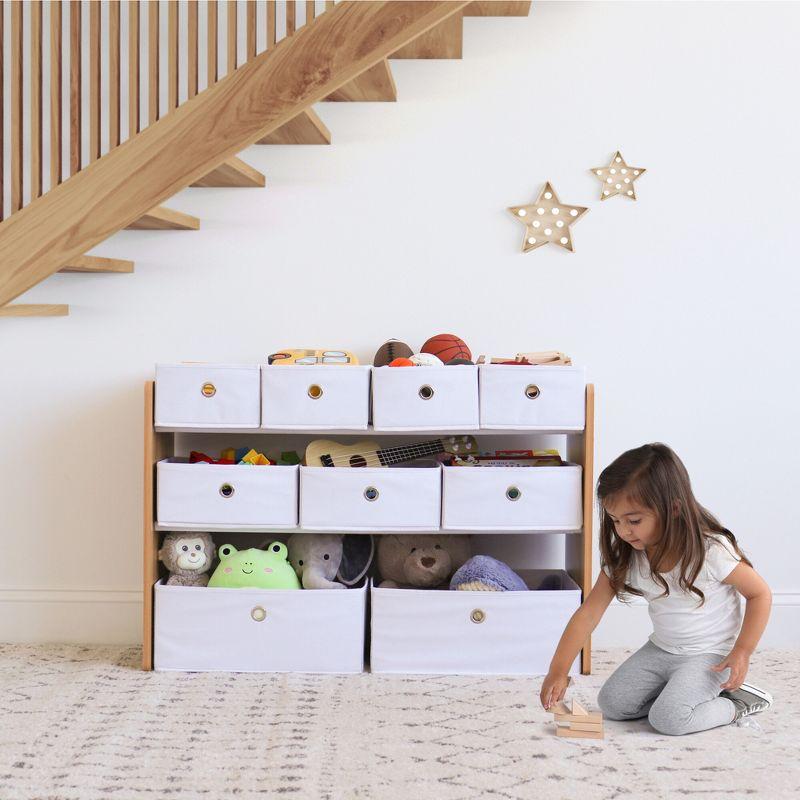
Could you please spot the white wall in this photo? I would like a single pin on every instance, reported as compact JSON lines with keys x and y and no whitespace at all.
{"x":682,"y":305}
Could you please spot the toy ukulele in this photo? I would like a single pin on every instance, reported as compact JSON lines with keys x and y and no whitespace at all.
{"x":312,"y":357}
{"x":326,"y":453}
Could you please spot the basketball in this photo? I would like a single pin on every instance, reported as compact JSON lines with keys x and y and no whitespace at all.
{"x":446,"y":346}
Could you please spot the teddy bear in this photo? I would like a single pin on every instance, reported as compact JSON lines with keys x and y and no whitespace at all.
{"x":421,"y":560}
{"x":188,"y":558}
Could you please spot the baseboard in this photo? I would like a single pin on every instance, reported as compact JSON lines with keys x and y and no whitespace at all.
{"x":112,"y":616}
{"x":72,"y":616}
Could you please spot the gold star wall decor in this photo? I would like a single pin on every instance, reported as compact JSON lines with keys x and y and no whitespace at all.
{"x":618,"y":178}
{"x":547,"y":220}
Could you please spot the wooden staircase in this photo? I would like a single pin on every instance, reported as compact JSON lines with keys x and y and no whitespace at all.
{"x":338,"y":54}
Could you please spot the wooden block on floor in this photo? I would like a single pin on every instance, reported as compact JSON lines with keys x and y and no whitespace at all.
{"x":577,"y":709}
{"x":165,"y":219}
{"x":97,"y":264}
{"x":498,"y":8}
{"x":442,"y":41}
{"x":34,"y":310}
{"x":585,"y":726}
{"x":568,"y":733}
{"x":233,"y":173}
{"x":593,"y":716}
{"x":375,"y":85}
{"x":305,"y":128}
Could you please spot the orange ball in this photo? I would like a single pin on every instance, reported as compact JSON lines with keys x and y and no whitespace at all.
{"x":402,"y":362}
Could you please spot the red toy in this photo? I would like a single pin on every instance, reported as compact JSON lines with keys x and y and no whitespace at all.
{"x":402,"y":362}
{"x":447,"y":346}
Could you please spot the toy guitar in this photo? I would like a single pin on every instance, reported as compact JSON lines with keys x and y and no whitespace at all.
{"x":312,"y":357}
{"x":325,"y":453}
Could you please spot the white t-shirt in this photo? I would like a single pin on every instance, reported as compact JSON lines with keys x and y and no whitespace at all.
{"x":680,"y":624}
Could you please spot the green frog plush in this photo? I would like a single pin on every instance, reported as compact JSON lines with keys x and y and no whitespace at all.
{"x":254,"y":569}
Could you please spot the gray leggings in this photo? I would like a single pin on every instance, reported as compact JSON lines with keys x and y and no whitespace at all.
{"x":677,"y":694}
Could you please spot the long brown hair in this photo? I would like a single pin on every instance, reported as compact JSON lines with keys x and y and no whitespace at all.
{"x":653,"y":476}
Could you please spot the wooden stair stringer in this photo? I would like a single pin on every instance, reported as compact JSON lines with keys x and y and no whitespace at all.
{"x":375,"y":85}
{"x":446,"y":40}
{"x":132,"y":180}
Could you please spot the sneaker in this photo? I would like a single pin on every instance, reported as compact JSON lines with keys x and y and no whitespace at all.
{"x":748,"y":700}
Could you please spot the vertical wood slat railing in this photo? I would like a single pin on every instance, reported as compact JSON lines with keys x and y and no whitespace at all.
{"x":67,"y":132}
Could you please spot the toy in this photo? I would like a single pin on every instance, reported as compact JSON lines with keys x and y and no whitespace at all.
{"x":255,"y":458}
{"x":446,"y":346}
{"x":389,"y":351}
{"x":321,"y":559}
{"x":576,"y":722}
{"x":188,"y":558}
{"x":426,"y":360}
{"x":550,"y":358}
{"x":289,"y":458}
{"x":312,"y":357}
{"x":486,"y":574}
{"x":195,"y":457}
{"x":456,"y":361}
{"x":422,"y":560}
{"x":327,"y":453}
{"x":254,"y":569}
{"x":402,"y":362}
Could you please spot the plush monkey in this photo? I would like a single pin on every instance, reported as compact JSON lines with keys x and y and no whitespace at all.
{"x":188,"y":558}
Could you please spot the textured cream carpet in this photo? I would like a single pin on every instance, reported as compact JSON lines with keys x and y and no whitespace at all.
{"x":85,"y":723}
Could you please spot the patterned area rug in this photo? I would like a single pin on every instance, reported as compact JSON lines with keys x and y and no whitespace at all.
{"x":86,"y":724}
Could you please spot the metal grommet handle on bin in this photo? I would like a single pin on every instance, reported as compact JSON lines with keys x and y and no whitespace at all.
{"x":371,"y":493}
{"x":208,"y":389}
{"x":532,"y":391}
{"x":226,"y":490}
{"x":258,"y":613}
{"x":426,"y":392}
{"x":513,"y":493}
{"x":315,"y":391}
{"x":477,"y":616}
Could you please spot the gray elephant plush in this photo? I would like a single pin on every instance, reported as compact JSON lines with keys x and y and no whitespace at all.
{"x":330,"y":560}
{"x":188,"y":558}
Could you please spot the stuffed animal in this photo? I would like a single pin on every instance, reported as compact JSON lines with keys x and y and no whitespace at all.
{"x":322,"y":559}
{"x":254,"y":568}
{"x":188,"y":558}
{"x":487,"y":574}
{"x":423,"y":560}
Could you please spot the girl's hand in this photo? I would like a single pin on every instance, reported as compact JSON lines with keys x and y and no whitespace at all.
{"x":739,"y":663}
{"x":554,"y":687}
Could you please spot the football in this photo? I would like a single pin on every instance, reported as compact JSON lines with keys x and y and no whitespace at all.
{"x":391,"y":350}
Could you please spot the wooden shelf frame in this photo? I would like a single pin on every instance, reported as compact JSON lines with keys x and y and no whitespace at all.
{"x":160,"y":444}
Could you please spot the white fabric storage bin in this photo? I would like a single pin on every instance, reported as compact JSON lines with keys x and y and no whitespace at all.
{"x":225,"y":494}
{"x":512,"y":498}
{"x":259,"y":630}
{"x":425,"y":398}
{"x":447,"y":632}
{"x":532,"y":398}
{"x":300,"y":397}
{"x":207,"y":395}
{"x":366,"y":499}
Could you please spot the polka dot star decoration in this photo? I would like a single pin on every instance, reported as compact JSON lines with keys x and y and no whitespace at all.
{"x":618,"y":178}
{"x":547,"y":220}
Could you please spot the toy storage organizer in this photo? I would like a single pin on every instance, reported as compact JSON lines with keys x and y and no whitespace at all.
{"x":210,"y":406}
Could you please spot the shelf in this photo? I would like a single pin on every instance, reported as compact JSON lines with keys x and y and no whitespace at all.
{"x":372,"y":432}
{"x":159,"y":528}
